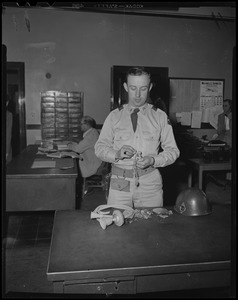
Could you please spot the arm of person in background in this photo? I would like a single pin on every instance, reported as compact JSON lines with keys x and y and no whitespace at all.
{"x":88,"y":142}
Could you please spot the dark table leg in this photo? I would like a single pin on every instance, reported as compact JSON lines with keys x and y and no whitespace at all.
{"x":79,"y":187}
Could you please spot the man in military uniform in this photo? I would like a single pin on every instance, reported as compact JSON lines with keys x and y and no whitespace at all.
{"x":130,"y":139}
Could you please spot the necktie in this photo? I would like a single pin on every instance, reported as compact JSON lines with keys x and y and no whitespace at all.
{"x":134,"y":117}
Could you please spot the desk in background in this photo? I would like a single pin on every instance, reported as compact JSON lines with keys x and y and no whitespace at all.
{"x":199,"y":165}
{"x":153,"y":255}
{"x":30,"y":189}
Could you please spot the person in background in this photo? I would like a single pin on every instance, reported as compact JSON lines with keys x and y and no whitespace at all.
{"x":224,"y":129}
{"x":9,"y":122}
{"x":159,"y":103}
{"x":132,"y":146}
{"x":88,"y":162}
{"x":224,"y":133}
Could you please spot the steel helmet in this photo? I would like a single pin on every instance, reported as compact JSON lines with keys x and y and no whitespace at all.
{"x":192,"y":202}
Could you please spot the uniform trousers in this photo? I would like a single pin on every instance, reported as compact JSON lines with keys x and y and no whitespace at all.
{"x":149,"y":193}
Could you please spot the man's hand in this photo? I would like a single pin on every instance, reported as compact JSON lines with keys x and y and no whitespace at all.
{"x":145,"y":162}
{"x":126,"y":151}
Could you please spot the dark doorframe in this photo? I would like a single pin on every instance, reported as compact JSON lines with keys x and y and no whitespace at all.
{"x":158,"y":93}
{"x":16,"y":91}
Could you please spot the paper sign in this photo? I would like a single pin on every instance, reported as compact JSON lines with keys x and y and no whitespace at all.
{"x":178,"y":117}
{"x":186,"y":118}
{"x":214,"y":112}
{"x":205,"y":115}
{"x":196,"y":119}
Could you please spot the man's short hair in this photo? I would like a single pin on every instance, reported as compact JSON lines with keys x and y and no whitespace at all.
{"x":89,"y":121}
{"x":137,"y":71}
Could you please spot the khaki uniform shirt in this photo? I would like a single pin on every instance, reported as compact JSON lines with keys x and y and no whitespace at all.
{"x":153,"y":129}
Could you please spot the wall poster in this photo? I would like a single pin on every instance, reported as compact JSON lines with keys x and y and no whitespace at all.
{"x":211,"y":93}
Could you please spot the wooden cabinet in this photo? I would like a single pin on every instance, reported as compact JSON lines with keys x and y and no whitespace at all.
{"x":60,"y":115}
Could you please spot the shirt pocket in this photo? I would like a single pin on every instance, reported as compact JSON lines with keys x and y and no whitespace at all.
{"x":151,"y":139}
{"x":122,"y":138}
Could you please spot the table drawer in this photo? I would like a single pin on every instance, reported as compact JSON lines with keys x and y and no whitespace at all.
{"x":60,"y":110}
{"x":49,"y":99}
{"x":74,"y":110}
{"x":76,"y":137}
{"x":53,"y":94}
{"x":61,"y":118}
{"x":48,"y":110}
{"x":114,"y":287}
{"x":48,"y":129}
{"x":74,"y":131}
{"x":61,"y":124}
{"x":46,"y":117}
{"x":61,"y":101}
{"x":183,"y":281}
{"x":48,"y":104}
{"x":74,"y":120}
{"x":75,"y":105}
{"x":148,"y":283}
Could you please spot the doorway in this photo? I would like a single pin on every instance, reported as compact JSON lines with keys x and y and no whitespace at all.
{"x":15,"y":80}
{"x":159,"y":94}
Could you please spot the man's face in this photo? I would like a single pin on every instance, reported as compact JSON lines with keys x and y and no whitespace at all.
{"x":84,"y":126}
{"x":138,"y":87}
{"x":226,"y":107}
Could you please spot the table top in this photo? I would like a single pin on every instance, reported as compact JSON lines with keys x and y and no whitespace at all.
{"x":200,"y":164}
{"x":81,"y":249}
{"x":20,"y":166}
{"x":219,"y":164}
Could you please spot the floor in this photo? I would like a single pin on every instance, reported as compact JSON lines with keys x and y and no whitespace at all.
{"x":26,"y":248}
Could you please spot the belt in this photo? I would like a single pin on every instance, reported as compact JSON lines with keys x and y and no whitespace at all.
{"x":130,"y":173}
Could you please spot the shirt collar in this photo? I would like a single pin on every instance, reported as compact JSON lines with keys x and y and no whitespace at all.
{"x":141,"y":108}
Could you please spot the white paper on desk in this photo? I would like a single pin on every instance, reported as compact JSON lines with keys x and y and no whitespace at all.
{"x":43,"y":164}
{"x":40,"y":152}
{"x":186,"y":118}
{"x":196,"y":119}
